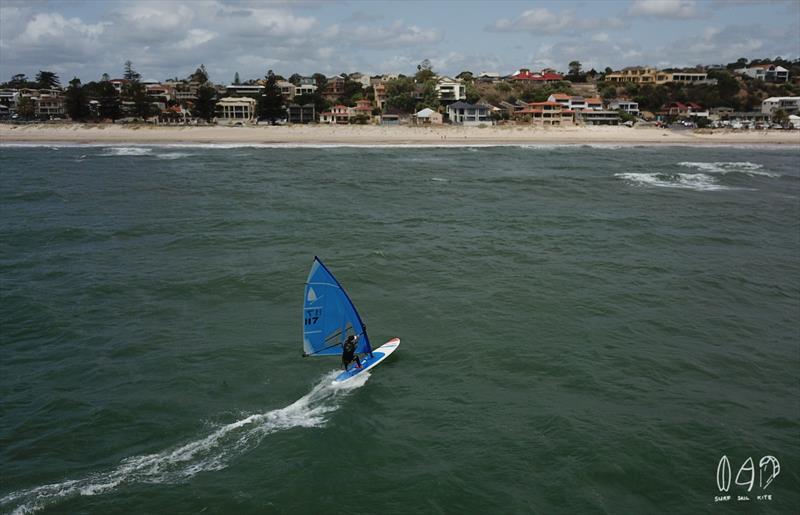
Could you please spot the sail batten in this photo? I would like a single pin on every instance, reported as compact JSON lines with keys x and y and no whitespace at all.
{"x":329,"y":316}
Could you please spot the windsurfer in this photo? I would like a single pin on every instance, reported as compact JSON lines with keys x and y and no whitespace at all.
{"x":349,"y":351}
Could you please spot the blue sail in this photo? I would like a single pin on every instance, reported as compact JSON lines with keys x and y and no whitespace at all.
{"x":329,"y":315}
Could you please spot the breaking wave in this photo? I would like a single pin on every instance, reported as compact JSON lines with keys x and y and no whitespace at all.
{"x":724,"y":167}
{"x":126,"y":151}
{"x":212,"y":452}
{"x":691,"y":181}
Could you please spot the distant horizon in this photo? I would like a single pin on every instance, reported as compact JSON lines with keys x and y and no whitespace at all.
{"x":171,"y":39}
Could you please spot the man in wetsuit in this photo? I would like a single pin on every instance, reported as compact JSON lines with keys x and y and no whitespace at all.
{"x":349,"y":351}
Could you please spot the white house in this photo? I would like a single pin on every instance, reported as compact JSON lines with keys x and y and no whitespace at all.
{"x":463,"y":113}
{"x":766,"y":72}
{"x":629,"y":106}
{"x":788,"y":104}
{"x":236,"y":110}
{"x":428,"y":117}
{"x":448,"y":89}
{"x":576,"y":103}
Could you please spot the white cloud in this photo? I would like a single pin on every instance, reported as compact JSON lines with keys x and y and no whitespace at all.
{"x":196,"y":37}
{"x":544,"y":21}
{"x":679,"y":9}
{"x":600,"y":37}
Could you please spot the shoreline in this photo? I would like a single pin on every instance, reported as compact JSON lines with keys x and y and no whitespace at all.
{"x":372,"y":135}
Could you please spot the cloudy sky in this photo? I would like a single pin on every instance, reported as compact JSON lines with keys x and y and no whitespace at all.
{"x":167,"y":38}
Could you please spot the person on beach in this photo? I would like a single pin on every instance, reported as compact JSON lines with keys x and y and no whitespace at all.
{"x":349,"y":351}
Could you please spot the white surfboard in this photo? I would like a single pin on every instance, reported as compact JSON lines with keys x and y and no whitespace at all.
{"x":367,"y":362}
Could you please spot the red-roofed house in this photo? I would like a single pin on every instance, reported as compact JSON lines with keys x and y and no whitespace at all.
{"x":546,"y":113}
{"x":339,"y":114}
{"x":525,"y":75}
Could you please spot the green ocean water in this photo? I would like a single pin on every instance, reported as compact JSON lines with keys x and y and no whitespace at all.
{"x":584,"y":329}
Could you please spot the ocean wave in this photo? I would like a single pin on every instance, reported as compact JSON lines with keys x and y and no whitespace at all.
{"x":126,"y":151}
{"x":173,"y":155}
{"x":724,"y":167}
{"x":212,"y":452}
{"x":690,"y":181}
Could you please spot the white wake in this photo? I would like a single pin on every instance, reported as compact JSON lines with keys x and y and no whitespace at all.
{"x":212,"y":452}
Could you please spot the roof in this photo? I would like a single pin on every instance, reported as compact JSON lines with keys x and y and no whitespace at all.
{"x":544,"y":104}
{"x":563,"y":96}
{"x":595,"y":99}
{"x":425,"y":113}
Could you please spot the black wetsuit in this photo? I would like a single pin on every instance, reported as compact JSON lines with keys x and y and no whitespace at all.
{"x":348,"y":353}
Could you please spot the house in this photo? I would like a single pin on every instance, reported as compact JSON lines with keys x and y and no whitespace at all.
{"x":428,"y":116}
{"x":576,"y":103}
{"x":463,"y":113}
{"x":450,"y":90}
{"x":296,"y":113}
{"x":339,"y":114}
{"x":236,"y":111}
{"x":524,"y":75}
{"x":790,"y":105}
{"x":334,"y":88}
{"x":247,"y":90}
{"x":650,"y":75}
{"x":362,"y":110}
{"x":305,"y":88}
{"x":765,"y":72}
{"x":488,"y":77}
{"x":794,"y":121}
{"x":287,"y":89}
{"x":684,"y":110}
{"x":546,"y":113}
{"x":380,"y":95}
{"x":635,"y":74}
{"x":598,"y":117}
{"x":119,"y":84}
{"x":160,"y":92}
{"x":174,"y":115}
{"x":623,"y":104}
{"x":393,"y":116}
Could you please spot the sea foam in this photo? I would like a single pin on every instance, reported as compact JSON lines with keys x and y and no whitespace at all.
{"x":691,"y":181}
{"x":212,"y":452}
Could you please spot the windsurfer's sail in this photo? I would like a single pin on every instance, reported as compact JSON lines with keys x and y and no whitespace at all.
{"x":329,"y":315}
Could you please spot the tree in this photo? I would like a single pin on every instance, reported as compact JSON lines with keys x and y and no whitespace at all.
{"x":575,"y":74}
{"x":105,"y":78}
{"x":236,"y":80}
{"x":206,"y":104}
{"x":465,"y":76}
{"x":20,"y":81}
{"x":131,"y":74}
{"x":270,"y":104}
{"x":47,"y":80}
{"x":200,"y":75}
{"x":75,"y":101}
{"x":295,"y":79}
{"x":425,"y":72}
{"x":780,"y":116}
{"x":136,"y":93}
{"x":26,"y":107}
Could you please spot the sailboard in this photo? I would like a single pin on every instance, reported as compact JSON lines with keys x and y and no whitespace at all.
{"x":329,"y":317}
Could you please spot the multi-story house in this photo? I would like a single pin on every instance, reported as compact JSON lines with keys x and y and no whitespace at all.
{"x":790,"y":105}
{"x":236,"y":111}
{"x":766,"y":72}
{"x":629,"y":106}
{"x":649,"y":75}
{"x":296,"y":113}
{"x":462,"y":113}
{"x":546,"y":113}
{"x":524,"y":75}
{"x":288,"y":89}
{"x":576,"y":103}
{"x":339,"y":114}
{"x":450,"y":90}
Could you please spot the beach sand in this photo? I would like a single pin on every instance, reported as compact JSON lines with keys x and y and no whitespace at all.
{"x":387,"y":135}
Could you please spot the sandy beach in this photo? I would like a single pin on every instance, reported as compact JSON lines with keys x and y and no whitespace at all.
{"x":387,"y":135}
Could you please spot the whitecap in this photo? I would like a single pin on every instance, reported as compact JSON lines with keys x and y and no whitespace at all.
{"x":173,"y":155}
{"x":725,"y":167}
{"x":126,"y":151}
{"x":691,"y":181}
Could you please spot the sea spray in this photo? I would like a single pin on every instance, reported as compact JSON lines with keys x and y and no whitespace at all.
{"x":212,"y":452}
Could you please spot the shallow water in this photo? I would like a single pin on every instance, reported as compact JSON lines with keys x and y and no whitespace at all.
{"x":584,"y":328}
